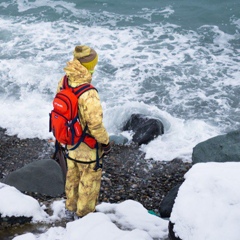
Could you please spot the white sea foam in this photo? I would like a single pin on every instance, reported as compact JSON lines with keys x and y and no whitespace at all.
{"x":25,"y":5}
{"x":179,"y":138}
{"x":186,"y":78}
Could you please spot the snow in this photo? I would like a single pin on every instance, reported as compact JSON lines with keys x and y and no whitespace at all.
{"x":207,"y":207}
{"x":11,"y":199}
{"x":124,"y":221}
{"x":208,"y":203}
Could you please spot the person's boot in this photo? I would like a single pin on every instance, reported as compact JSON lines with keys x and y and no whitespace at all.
{"x":76,"y":217}
{"x":69,"y":215}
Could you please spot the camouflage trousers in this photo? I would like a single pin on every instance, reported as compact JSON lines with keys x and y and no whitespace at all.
{"x":82,"y":187}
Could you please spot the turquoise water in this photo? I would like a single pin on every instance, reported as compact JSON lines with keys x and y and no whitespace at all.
{"x":177,"y":61}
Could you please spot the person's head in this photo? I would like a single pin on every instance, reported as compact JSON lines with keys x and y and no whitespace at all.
{"x":86,"y":56}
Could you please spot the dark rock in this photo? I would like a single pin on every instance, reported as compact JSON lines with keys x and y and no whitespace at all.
{"x":167,"y":203}
{"x":44,"y":177}
{"x":145,"y":129}
{"x":171,"y":233}
{"x":16,"y":153}
{"x":119,"y":140}
{"x":14,"y":220}
{"x":222,"y":148}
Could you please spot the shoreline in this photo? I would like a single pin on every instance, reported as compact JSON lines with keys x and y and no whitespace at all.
{"x":126,"y":173}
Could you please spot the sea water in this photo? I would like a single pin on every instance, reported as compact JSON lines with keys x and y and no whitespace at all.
{"x":177,"y":61}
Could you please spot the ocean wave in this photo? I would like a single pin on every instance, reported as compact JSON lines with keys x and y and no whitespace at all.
{"x":149,"y":62}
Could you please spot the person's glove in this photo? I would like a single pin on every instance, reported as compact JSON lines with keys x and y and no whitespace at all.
{"x":106,"y":148}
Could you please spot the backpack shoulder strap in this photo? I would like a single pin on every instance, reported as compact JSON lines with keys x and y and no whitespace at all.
{"x":65,"y":83}
{"x":83,"y":88}
{"x":78,"y":91}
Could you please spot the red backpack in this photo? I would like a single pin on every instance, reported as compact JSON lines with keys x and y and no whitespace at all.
{"x":64,"y":119}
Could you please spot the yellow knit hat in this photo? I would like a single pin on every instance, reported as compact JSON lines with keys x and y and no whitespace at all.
{"x":86,"y":56}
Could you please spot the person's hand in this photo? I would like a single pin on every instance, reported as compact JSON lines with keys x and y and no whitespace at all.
{"x":106,"y":148}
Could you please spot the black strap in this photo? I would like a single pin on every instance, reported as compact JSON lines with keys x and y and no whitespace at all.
{"x":56,"y":149}
{"x":59,"y":157}
{"x":70,"y":125}
{"x":79,"y":90}
{"x":79,"y":161}
{"x":98,"y":164}
{"x":80,"y":140}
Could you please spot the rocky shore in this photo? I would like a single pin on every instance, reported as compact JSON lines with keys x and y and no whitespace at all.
{"x":126,"y":173}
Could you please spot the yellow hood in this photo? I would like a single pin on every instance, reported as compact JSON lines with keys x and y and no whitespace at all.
{"x":77,"y":73}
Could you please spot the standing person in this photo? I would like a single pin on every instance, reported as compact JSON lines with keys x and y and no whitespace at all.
{"x":83,"y":179}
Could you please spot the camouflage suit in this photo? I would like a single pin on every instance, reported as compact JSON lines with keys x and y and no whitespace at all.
{"x":82,"y":181}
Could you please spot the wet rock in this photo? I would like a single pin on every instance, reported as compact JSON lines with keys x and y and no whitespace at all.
{"x":145,"y":129}
{"x":167,"y":203}
{"x":10,"y":221}
{"x":222,"y":148}
{"x":118,"y":140}
{"x":44,"y":177}
{"x":171,"y":233}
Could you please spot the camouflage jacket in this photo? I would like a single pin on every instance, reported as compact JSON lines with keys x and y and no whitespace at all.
{"x":90,"y":113}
